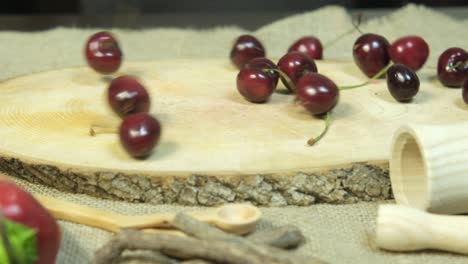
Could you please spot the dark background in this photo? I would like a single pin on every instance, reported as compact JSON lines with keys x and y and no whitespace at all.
{"x":86,"y":7}
{"x":137,"y":14}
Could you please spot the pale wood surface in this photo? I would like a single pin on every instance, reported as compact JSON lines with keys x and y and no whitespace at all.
{"x":401,"y":228}
{"x":207,"y":125}
{"x":208,"y":128}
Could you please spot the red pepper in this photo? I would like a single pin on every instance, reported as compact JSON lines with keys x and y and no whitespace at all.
{"x":19,"y":206}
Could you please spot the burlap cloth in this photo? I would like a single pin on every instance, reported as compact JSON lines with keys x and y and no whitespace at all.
{"x":336,"y":233}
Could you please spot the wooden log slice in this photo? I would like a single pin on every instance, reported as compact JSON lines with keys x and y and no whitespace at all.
{"x":215,"y":147}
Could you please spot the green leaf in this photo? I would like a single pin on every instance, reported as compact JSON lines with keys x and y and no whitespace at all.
{"x":23,"y":241}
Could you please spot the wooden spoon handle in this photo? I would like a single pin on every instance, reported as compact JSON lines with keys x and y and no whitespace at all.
{"x":75,"y":213}
{"x":401,"y":228}
{"x":109,"y":221}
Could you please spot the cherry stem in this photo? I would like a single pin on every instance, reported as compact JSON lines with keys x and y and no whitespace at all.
{"x":316,"y":139}
{"x":458,"y":65}
{"x":291,"y":86}
{"x":356,"y":21}
{"x":100,"y":129}
{"x":376,"y":76}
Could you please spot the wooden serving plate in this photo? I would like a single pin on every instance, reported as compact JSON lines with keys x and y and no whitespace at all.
{"x":215,"y":146}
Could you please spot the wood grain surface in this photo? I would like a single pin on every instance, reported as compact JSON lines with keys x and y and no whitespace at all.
{"x":209,"y":132}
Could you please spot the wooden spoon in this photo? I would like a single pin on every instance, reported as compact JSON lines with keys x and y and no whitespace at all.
{"x":234,"y":218}
{"x":401,"y":228}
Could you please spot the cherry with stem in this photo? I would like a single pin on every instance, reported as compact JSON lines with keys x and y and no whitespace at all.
{"x":452,"y":67}
{"x":255,"y":85}
{"x":139,"y":133}
{"x":295,"y":64}
{"x":318,"y":95}
{"x":316,"y":139}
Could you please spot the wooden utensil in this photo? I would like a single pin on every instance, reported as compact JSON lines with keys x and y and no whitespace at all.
{"x":234,"y":218}
{"x":401,"y":228}
{"x":429,"y":167}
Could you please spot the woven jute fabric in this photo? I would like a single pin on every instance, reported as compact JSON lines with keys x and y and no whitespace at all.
{"x":335,"y":233}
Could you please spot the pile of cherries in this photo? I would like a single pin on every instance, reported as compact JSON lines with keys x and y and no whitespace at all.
{"x":139,"y":132}
{"x":258,"y":78}
{"x":372,"y":53}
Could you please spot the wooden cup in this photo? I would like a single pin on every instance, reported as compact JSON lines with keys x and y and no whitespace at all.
{"x":429,"y":167}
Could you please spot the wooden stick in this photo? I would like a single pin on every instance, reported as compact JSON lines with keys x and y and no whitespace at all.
{"x":193,"y":227}
{"x":112,"y":250}
{"x":209,"y":245}
{"x":196,"y":261}
{"x":282,"y":237}
{"x":286,"y":237}
{"x":177,"y":246}
{"x":207,"y":232}
{"x":147,"y":256}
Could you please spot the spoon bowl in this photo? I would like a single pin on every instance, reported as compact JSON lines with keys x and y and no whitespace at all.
{"x":239,"y":218}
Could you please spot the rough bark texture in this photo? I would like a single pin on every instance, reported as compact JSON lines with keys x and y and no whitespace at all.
{"x":358,"y":182}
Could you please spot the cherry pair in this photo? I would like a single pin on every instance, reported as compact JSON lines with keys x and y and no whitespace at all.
{"x":139,"y":132}
{"x":372,"y":53}
{"x":248,"y":47}
{"x":298,"y":72}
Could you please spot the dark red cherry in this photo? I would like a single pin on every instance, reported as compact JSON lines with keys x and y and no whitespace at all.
{"x":295,"y":64}
{"x":245,"y":48}
{"x":262,"y":63}
{"x":139,"y":134}
{"x":402,"y":82}
{"x":255,"y":85}
{"x":411,"y":51}
{"x":128,"y":96}
{"x":452,"y":67}
{"x":465,"y":91}
{"x":103,"y":53}
{"x":309,"y":45}
{"x":317,"y":93}
{"x":370,"y":53}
